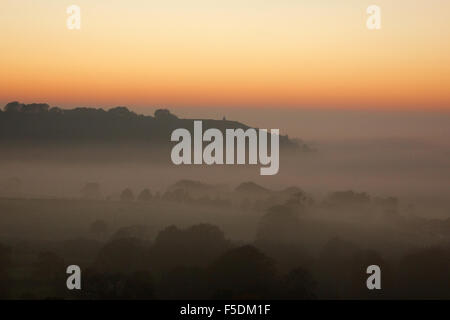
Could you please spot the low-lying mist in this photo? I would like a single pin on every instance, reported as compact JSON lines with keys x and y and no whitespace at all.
{"x":201,"y":232}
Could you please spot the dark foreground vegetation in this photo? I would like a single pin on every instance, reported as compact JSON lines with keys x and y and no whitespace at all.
{"x":198,"y":241}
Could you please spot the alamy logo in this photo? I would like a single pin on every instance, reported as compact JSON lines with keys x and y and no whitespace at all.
{"x":74,"y":20}
{"x":74,"y":280}
{"x":374,"y":281}
{"x":374,"y":20}
{"x":213,"y":153}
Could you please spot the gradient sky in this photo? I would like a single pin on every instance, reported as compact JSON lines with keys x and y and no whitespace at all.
{"x":234,"y":53}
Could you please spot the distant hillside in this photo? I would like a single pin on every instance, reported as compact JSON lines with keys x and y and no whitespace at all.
{"x":252,"y":189}
{"x":198,"y":189}
{"x":246,"y":195}
{"x":40,"y":124}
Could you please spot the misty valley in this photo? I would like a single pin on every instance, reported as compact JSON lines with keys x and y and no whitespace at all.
{"x":201,"y":241}
{"x":96,"y":189}
{"x":225,"y":159}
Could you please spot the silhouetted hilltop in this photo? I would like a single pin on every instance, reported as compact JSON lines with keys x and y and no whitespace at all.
{"x":40,"y":122}
{"x":197,"y":188}
{"x":251,"y":188}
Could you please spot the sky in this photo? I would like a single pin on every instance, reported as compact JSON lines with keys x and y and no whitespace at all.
{"x":227,"y":54}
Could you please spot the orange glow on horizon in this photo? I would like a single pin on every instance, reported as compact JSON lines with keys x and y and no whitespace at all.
{"x":238,"y":54}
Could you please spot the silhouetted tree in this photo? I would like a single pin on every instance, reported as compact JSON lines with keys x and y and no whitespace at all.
{"x":348,"y":198}
{"x":81,"y":250}
{"x":280,"y":225}
{"x":127,"y":195}
{"x":333,"y":267}
{"x":177,"y":195}
{"x":117,"y":286}
{"x":299,"y":200}
{"x":136,"y":231}
{"x":194,"y":246}
{"x":48,"y":267}
{"x":145,"y":195}
{"x":164,"y":115}
{"x":139,"y":285}
{"x":243,"y":272}
{"x":298,"y":284}
{"x":184,"y":283}
{"x":125,"y":255}
{"x":49,"y":272}
{"x":423,"y":274}
{"x":14,"y":106}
